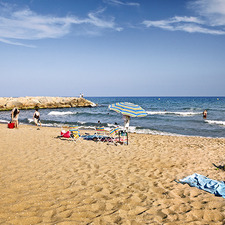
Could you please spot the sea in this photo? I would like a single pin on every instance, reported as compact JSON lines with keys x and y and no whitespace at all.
{"x":175,"y":116}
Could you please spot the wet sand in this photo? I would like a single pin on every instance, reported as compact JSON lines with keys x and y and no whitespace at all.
{"x":45,"y":180}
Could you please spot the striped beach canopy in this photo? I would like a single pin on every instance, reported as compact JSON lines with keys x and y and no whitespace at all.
{"x":100,"y":129}
{"x":115,"y":130}
{"x":73,"y":128}
{"x":128,"y":109}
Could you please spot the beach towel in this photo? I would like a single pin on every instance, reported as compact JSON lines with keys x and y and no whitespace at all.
{"x":95,"y":137}
{"x":212,"y":186}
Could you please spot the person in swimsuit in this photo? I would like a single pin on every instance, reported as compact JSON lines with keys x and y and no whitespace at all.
{"x":15,"y":116}
{"x":36,"y":117}
{"x":205,"y":114}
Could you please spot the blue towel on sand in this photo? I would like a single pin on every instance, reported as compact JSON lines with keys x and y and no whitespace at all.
{"x":212,"y":186}
{"x":94,"y":136}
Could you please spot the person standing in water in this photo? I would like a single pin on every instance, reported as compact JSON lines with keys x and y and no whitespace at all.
{"x":205,"y":114}
{"x":36,"y":117}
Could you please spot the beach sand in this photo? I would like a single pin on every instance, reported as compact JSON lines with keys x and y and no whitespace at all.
{"x":45,"y":180}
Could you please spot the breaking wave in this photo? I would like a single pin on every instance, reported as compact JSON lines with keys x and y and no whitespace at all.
{"x":4,"y":121}
{"x":173,"y":113}
{"x":215,"y":122}
{"x":55,"y":113}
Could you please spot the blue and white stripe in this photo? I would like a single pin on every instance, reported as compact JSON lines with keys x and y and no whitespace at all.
{"x":128,"y":109}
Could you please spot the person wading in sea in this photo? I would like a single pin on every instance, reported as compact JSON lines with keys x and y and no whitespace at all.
{"x":205,"y":114}
{"x":36,"y":117}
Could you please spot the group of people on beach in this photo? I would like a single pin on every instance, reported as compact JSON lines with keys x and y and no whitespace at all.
{"x":15,"y":116}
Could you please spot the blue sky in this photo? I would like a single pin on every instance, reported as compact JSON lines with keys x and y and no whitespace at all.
{"x":112,"y":47}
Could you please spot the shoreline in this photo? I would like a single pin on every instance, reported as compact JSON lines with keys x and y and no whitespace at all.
{"x":92,"y":130}
{"x":181,"y":118}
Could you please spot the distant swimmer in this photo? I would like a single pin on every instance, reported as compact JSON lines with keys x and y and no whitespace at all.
{"x":205,"y":114}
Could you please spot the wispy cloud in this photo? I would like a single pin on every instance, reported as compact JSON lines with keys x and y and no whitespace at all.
{"x":16,"y":43}
{"x":210,"y":19}
{"x":117,"y":2}
{"x":94,"y":19}
{"x":212,"y":10}
{"x":18,"y":25}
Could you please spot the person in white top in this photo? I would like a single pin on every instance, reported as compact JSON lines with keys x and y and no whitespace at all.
{"x":126,"y":122}
{"x":36,"y":117}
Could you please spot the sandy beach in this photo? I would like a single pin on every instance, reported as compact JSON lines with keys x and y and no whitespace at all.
{"x":45,"y":180}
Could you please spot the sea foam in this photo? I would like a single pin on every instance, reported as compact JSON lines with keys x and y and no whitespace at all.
{"x":215,"y":122}
{"x":173,"y":113}
{"x":55,"y":113}
{"x":4,"y":121}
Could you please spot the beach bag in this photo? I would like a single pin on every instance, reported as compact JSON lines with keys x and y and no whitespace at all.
{"x":65,"y":134}
{"x":11,"y":125}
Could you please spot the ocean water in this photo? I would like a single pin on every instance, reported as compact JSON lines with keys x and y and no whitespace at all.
{"x":166,"y":115}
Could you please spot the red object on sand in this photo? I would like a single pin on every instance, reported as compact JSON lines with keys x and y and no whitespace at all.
{"x":65,"y":135}
{"x":11,"y":125}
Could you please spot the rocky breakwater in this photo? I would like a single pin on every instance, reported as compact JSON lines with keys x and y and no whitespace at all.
{"x":8,"y":103}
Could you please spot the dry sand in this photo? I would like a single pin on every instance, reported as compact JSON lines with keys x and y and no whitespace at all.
{"x":45,"y":180}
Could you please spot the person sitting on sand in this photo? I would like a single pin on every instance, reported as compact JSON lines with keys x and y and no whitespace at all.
{"x":15,"y":116}
{"x":205,"y":114}
{"x":36,"y":117}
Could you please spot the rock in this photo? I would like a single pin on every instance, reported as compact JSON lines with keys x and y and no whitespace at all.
{"x":43,"y":102}
{"x":3,"y":102}
{"x":13,"y":104}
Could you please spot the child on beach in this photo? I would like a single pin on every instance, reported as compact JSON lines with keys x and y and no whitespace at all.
{"x":36,"y":117}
